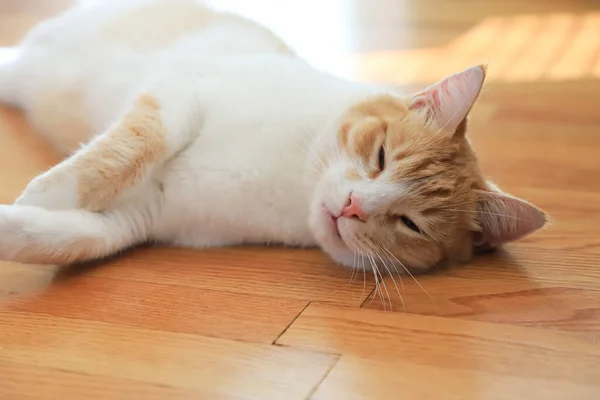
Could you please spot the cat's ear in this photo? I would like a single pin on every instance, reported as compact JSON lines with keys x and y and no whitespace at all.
{"x":447,"y":102}
{"x":504,"y":218}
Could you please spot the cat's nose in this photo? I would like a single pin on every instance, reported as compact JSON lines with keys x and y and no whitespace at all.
{"x":352,"y":209}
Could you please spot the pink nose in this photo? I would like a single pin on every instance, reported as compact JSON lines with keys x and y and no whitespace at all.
{"x":352,"y":209}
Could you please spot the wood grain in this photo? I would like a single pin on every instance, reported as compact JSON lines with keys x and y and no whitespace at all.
{"x":285,"y":273}
{"x":358,"y":378}
{"x":56,"y":384}
{"x":503,"y":293}
{"x":234,"y":316}
{"x":192,"y":362}
{"x":260,"y":323}
{"x":450,"y":349}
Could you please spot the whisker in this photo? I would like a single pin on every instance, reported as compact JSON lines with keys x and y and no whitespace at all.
{"x":362,"y":261}
{"x":393,"y":280}
{"x":376,"y":289}
{"x":393,"y":264}
{"x":379,"y":281}
{"x":456,"y":205}
{"x":491,"y":213}
{"x":319,"y":166}
{"x":319,"y":147}
{"x":354,"y":269}
{"x":382,"y":281}
{"x":364,"y":274}
{"x":412,"y":276}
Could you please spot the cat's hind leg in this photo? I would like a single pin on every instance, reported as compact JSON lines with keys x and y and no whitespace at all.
{"x":30,"y":234}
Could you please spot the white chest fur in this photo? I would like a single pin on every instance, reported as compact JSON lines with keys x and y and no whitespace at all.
{"x":246,"y":178}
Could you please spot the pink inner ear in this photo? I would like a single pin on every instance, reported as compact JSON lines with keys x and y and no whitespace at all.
{"x":448,"y":101}
{"x":504,"y":218}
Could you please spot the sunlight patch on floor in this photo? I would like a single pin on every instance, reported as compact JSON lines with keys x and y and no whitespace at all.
{"x":528,"y":48}
{"x":519,"y":48}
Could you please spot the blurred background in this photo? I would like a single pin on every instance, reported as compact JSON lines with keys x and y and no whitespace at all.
{"x":408,"y":41}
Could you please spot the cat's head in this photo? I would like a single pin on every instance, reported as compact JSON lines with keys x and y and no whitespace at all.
{"x":401,"y":184}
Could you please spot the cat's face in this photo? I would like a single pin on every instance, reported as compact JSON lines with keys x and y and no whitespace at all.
{"x":400,"y":185}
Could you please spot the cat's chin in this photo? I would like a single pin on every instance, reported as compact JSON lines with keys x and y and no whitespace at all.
{"x":339,"y":253}
{"x":328,"y":237}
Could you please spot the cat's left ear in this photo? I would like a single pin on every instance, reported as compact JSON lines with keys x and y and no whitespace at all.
{"x":447,"y":102}
{"x":504,"y":218}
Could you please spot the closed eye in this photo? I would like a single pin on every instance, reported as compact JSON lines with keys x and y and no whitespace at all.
{"x":381,"y":158}
{"x":410,"y":224}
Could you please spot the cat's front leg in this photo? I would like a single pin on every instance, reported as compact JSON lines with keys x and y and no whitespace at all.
{"x":37,"y":235}
{"x":157,"y":125}
{"x":55,"y":189}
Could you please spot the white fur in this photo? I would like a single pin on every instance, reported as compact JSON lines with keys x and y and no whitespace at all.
{"x":251,"y":154}
{"x":253,"y":114}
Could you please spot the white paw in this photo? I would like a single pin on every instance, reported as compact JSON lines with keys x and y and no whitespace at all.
{"x":26,"y":233}
{"x":11,"y":232}
{"x":55,"y":189}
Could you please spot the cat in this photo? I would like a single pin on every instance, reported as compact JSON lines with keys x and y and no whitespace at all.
{"x":189,"y":127}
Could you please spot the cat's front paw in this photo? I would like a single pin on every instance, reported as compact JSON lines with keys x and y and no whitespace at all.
{"x":55,"y":189}
{"x":12,"y":232}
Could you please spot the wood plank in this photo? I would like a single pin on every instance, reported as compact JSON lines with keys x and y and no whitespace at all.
{"x":413,"y":347}
{"x":276,"y":272}
{"x":514,"y":301}
{"x":18,"y":280}
{"x":506,"y":150}
{"x":54,"y":384}
{"x":169,"y":308}
{"x":357,"y":379}
{"x":183,"y":361}
{"x":537,"y":265}
{"x":578,"y":58}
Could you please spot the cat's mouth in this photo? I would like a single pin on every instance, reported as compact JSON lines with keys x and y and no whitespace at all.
{"x":332,"y":221}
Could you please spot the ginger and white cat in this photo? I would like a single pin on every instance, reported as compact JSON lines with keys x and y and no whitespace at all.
{"x":204,"y":129}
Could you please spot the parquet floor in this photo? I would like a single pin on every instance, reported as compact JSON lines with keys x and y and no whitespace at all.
{"x":256,"y":323}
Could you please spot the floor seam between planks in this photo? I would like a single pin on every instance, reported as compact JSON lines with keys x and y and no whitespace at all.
{"x":274,"y":342}
{"x":371,"y":293}
{"x":314,"y":389}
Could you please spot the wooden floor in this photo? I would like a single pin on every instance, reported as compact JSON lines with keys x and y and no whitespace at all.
{"x":524,"y":323}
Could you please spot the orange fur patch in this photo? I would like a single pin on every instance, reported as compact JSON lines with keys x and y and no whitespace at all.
{"x":119,"y":158}
{"x":352,"y":175}
{"x":365,"y":135}
{"x":439,"y":171}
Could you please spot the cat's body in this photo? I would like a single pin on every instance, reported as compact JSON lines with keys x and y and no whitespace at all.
{"x":228,"y":160}
{"x":76,"y":72}
{"x":209,"y":131}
